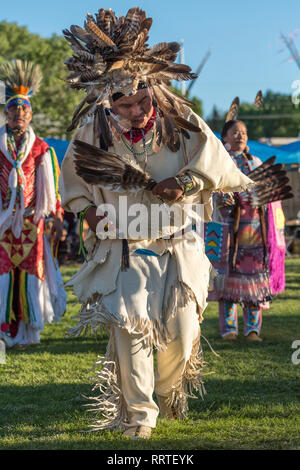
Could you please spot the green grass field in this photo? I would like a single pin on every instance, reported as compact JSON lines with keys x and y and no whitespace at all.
{"x":252,"y":401}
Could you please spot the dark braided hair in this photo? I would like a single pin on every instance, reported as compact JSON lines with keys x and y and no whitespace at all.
{"x":226,"y":128}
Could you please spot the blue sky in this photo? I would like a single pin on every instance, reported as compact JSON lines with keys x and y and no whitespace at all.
{"x":244,"y":37}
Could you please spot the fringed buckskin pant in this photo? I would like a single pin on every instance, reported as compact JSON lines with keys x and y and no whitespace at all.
{"x":151,"y":308}
{"x":138,"y":379}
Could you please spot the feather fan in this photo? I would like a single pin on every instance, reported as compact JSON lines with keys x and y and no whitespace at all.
{"x":271,"y":183}
{"x":108,"y":170}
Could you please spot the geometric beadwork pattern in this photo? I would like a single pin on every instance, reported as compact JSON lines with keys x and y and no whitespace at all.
{"x":216,"y":238}
{"x":19,"y":248}
{"x":230,"y":316}
{"x":214,"y":241}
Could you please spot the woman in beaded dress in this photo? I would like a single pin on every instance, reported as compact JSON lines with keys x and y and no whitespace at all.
{"x":248,"y":278}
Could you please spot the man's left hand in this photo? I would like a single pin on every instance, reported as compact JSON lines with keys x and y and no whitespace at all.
{"x":168,"y":189}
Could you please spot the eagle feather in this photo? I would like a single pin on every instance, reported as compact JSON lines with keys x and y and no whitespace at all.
{"x":271,"y":183}
{"x":233,"y":110}
{"x":109,"y":170}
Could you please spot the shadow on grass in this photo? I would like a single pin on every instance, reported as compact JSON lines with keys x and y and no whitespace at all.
{"x":117,"y":445}
{"x":247,"y":397}
{"x":211,"y":428}
{"x":291,"y":297}
{"x":290,"y":285}
{"x":64,"y":346}
{"x":202,"y":433}
{"x":270,"y":320}
{"x":24,"y":405}
{"x":26,"y":397}
{"x":277,"y":330}
{"x":292,"y":268}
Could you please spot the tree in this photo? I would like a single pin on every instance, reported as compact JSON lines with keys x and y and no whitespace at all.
{"x":197,"y":108}
{"x":216,"y":120}
{"x":54,"y":104}
{"x":278,"y":117}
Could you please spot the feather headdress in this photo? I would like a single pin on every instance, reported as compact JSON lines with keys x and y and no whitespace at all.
{"x":21,"y":78}
{"x":110,"y":55}
{"x":270,"y":178}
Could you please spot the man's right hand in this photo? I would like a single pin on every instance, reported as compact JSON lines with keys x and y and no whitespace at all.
{"x":93,"y":219}
{"x":168,"y":189}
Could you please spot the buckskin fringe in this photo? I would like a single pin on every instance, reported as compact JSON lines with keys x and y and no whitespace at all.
{"x":109,"y":406}
{"x":190,"y":380}
{"x":92,"y":316}
{"x":95,"y":316}
{"x":179,"y":296}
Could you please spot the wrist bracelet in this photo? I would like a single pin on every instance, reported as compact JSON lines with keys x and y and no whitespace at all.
{"x":182,"y":187}
{"x":185,"y":182}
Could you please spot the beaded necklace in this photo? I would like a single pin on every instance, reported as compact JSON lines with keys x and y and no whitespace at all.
{"x":131,"y":147}
{"x":16,"y":153}
{"x":144,"y":152}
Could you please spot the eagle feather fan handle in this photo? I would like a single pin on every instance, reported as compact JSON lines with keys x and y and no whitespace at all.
{"x":109,"y":170}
